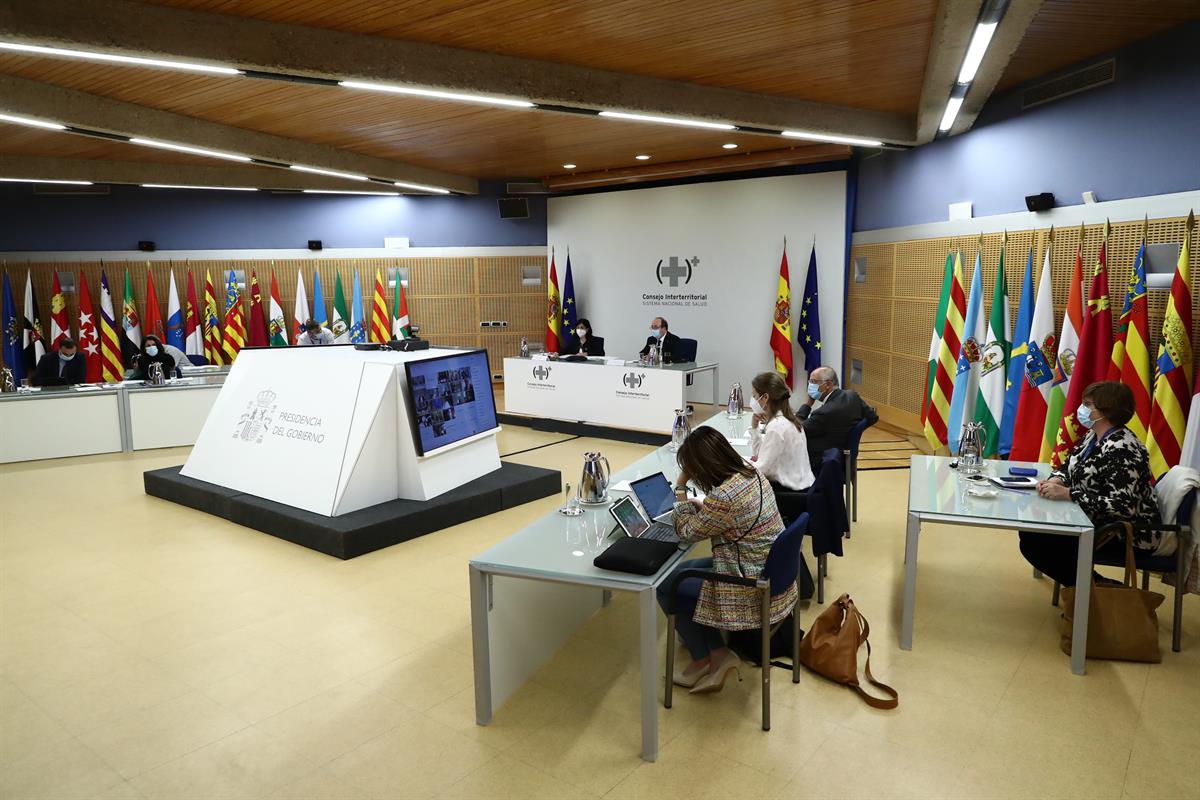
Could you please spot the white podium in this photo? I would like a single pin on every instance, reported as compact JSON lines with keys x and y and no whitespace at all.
{"x":328,"y":430}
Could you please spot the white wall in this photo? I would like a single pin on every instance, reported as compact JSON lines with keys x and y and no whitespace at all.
{"x":736,"y":228}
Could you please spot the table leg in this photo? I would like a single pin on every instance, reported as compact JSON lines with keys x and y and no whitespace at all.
{"x":480,"y":647}
{"x":910,"y":581}
{"x":716,"y":388}
{"x":648,"y":666}
{"x":1083,"y":597}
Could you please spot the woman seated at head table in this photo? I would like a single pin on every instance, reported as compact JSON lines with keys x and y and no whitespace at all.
{"x":583,"y":342}
{"x":1108,"y":475}
{"x":739,"y":516}
{"x":152,"y":352}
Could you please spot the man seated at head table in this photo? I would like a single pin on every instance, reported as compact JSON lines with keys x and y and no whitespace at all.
{"x":62,"y":367}
{"x":830,"y":413}
{"x":661,"y":334}
{"x":314,"y":334}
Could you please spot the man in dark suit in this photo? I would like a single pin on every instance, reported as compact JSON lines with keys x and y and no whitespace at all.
{"x":830,"y":413}
{"x":659,"y":332}
{"x":61,"y":368}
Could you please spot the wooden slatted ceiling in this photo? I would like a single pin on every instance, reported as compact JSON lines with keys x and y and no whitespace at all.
{"x":455,"y":137}
{"x":1068,"y":31}
{"x":19,"y":140}
{"x":861,"y":53}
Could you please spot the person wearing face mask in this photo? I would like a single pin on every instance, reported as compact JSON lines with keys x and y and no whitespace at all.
{"x":1107,"y":474}
{"x":777,"y":436}
{"x":152,"y":353}
{"x":314,"y":334}
{"x":830,"y":413}
{"x":582,"y":341}
{"x":61,"y":368}
{"x":660,"y":333}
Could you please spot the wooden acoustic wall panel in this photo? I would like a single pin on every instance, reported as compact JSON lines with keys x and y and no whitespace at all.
{"x":521,"y":312}
{"x":907,"y":382}
{"x":918,"y":265}
{"x":439,"y":276}
{"x":912,"y":324}
{"x":502,"y":274}
{"x":446,"y":315}
{"x":876,"y":373}
{"x":879,"y":259}
{"x":501,"y":345}
{"x":872,"y":322}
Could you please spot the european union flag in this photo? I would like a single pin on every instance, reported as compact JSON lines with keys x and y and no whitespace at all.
{"x":809,"y":335}
{"x":570,"y":314}
{"x":14,"y":357}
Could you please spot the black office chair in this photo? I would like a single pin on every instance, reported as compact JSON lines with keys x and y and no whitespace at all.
{"x":827,"y":512}
{"x":780,"y":571}
{"x":850,"y":467}
{"x":686,"y":352}
{"x":1147,"y":562}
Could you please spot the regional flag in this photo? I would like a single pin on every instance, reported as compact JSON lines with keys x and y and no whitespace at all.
{"x":14,"y":359}
{"x":1016,"y":359}
{"x":111,"y":368}
{"x":781,"y":322}
{"x":174,"y":315}
{"x":1172,"y":387}
{"x":1134,"y":369}
{"x":1095,"y":352}
{"x":553,"y":311}
{"x":810,"y":317}
{"x":570,"y":314}
{"x":935,"y":339}
{"x":358,"y":327}
{"x":257,"y":334}
{"x":380,"y":324}
{"x":341,"y":316}
{"x":993,"y":363}
{"x":60,"y":328}
{"x":152,"y":322}
{"x":193,"y":327}
{"x":89,"y":335}
{"x":300,"y":314}
{"x":319,"y":313}
{"x":131,"y":324}
{"x":235,"y":320}
{"x":1064,"y":362}
{"x":968,"y":368}
{"x":400,"y":323}
{"x":33,"y":345}
{"x":277,"y":326}
{"x":213,"y":352}
{"x":1040,"y":354}
{"x":949,"y":348}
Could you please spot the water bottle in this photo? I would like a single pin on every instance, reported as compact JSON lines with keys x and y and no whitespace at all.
{"x":524,"y":351}
{"x":970,"y":449}
{"x":680,"y":429}
{"x":733,"y":407}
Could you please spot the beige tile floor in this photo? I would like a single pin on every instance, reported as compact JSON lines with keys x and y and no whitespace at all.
{"x":150,"y":651}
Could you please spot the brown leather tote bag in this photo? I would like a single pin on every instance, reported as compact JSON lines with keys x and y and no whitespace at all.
{"x":830,"y":648}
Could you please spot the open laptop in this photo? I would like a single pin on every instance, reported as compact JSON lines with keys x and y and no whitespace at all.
{"x":656,"y":496}
{"x":635,"y":524}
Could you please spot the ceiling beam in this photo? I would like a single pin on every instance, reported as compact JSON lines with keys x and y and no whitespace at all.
{"x":138,"y":172}
{"x":48,"y":102}
{"x":1008,"y":36}
{"x":125,"y":28}
{"x":952,"y":28}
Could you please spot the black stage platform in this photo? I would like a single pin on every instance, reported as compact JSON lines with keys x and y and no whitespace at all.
{"x":584,"y":429}
{"x":364,"y":531}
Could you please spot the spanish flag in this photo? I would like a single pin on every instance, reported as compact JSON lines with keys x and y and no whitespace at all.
{"x":781,"y":323}
{"x":1173,"y":386}
{"x":553,"y":310}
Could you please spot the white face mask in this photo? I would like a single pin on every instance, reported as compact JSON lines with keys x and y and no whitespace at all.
{"x":756,"y":406}
{"x":581,"y":333}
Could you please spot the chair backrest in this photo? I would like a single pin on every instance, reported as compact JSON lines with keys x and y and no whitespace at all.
{"x":855,"y":437}
{"x":687,"y":350}
{"x":783,"y":561}
{"x":1184,"y":516}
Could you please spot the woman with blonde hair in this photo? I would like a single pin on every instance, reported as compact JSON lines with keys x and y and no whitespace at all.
{"x":777,"y":435}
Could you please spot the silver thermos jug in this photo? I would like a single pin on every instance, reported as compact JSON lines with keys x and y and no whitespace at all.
{"x":7,"y":383}
{"x":733,"y":407}
{"x":593,"y":483}
{"x":970,"y":449}
{"x":680,"y":428}
{"x":155,"y":374}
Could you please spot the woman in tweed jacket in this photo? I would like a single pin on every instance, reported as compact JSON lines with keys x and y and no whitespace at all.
{"x":739,"y":516}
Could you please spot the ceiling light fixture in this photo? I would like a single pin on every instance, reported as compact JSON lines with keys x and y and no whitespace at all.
{"x":952,"y":108}
{"x":420,"y":187}
{"x":331,"y":173}
{"x":729,"y":146}
{"x":43,"y":180}
{"x":568,"y":166}
{"x":833,"y":138}
{"x":180,"y":186}
{"x":691,"y":123}
{"x":183,"y":148}
{"x":141,"y":62}
{"x":975,"y":51}
{"x":465,"y":98}
{"x":35,"y":123}
{"x":642,"y":157}
{"x":349,"y":191}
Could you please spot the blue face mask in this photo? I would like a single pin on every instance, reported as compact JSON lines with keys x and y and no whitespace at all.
{"x":1084,"y":415}
{"x":657,"y":332}
{"x":814,"y":391}
{"x":151,"y":351}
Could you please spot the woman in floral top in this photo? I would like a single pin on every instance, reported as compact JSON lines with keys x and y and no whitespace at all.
{"x":740,"y":517}
{"x":1107,"y":475}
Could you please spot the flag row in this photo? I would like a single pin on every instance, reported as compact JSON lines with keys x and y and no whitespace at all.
{"x":1024,"y":385}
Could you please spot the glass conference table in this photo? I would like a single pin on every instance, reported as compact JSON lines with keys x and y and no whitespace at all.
{"x":937,"y":493}
{"x":530,"y":592}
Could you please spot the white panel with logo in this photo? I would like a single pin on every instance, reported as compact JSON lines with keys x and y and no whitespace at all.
{"x":331,"y":430}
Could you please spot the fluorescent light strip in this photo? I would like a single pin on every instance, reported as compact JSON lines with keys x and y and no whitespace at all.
{"x":215,"y":188}
{"x":347,"y":191}
{"x":141,"y":62}
{"x":329,"y":172}
{"x":40,"y":180}
{"x":833,"y":138}
{"x":51,"y":126}
{"x":952,"y":108}
{"x":466,"y":98}
{"x":183,"y":148}
{"x":690,"y":123}
{"x":418,"y":187}
{"x":975,"y":51}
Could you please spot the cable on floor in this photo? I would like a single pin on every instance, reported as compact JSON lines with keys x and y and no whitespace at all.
{"x":540,"y":446}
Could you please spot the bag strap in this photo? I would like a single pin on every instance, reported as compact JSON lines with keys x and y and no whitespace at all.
{"x":1130,"y":562}
{"x":864,"y":629}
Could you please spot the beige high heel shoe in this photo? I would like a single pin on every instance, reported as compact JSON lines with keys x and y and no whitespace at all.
{"x":688,"y":680}
{"x":715,"y":681}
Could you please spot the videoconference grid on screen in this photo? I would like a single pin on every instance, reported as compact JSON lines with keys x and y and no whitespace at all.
{"x":451,"y":398}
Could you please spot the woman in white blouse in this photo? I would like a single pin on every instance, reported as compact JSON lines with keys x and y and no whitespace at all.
{"x":777,"y":435}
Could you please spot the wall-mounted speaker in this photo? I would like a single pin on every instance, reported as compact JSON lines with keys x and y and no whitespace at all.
{"x":1040,"y":202}
{"x":146,"y":246}
{"x":513,"y":208}
{"x":314,"y":244}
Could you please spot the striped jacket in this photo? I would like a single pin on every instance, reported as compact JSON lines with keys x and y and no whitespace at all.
{"x":741,"y":519}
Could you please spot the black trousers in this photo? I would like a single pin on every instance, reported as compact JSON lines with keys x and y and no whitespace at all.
{"x":1055,"y":555}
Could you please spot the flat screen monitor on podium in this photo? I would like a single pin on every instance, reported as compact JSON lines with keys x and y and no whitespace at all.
{"x":451,"y":399}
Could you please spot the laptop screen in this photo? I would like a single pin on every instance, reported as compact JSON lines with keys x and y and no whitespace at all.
{"x":629,"y":517}
{"x":654,"y":493}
